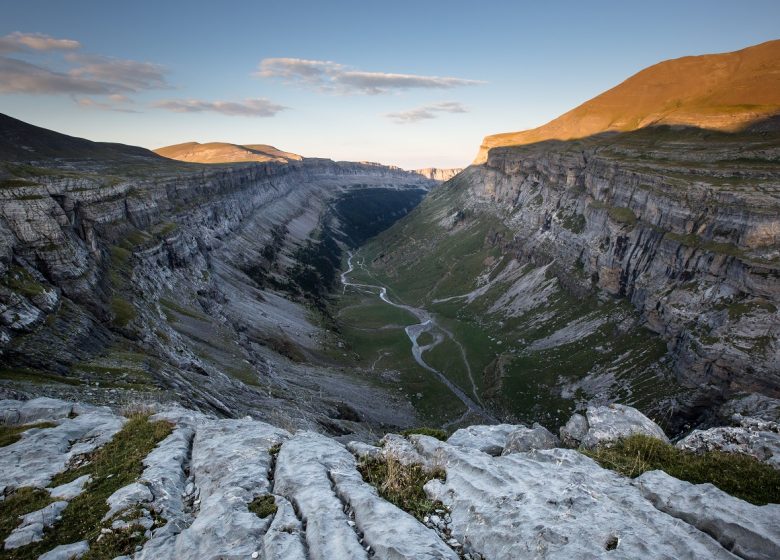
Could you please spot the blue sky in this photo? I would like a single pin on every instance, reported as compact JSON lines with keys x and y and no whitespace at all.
{"x":415,"y":84}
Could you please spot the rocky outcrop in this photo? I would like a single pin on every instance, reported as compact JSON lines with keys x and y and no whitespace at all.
{"x":748,"y":531}
{"x":753,"y":437}
{"x":439,"y":174}
{"x":533,"y":502}
{"x":603,"y":425}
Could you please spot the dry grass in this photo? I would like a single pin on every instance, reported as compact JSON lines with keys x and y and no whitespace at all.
{"x":402,"y":485}
{"x":739,"y":475}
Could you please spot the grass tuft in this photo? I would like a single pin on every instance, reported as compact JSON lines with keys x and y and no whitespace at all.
{"x":401,"y":485}
{"x":263,"y":506}
{"x":739,"y":475}
{"x":437,"y":433}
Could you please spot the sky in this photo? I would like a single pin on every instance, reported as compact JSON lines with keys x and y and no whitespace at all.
{"x":414,"y":84}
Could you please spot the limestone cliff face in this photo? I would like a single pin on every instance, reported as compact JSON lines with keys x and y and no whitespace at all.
{"x":684,"y":224}
{"x":184,"y":282}
{"x":438,"y":173}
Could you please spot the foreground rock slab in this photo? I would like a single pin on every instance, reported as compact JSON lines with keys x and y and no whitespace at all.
{"x":554,"y":504}
{"x":749,"y":531}
{"x":42,"y":453}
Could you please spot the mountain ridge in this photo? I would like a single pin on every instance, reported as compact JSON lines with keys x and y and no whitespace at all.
{"x":225,"y":152}
{"x":724,"y":91}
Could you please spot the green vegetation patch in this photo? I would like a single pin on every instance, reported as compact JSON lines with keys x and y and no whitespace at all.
{"x":697,"y":242}
{"x":117,"y":464}
{"x":12,"y":434}
{"x":20,"y":280}
{"x":263,"y":506}
{"x":122,"y":310}
{"x":14,"y":183}
{"x":402,"y":485}
{"x":739,"y":475}
{"x":622,"y":215}
{"x":21,"y":502}
{"x":574,"y":223}
{"x":437,"y":433}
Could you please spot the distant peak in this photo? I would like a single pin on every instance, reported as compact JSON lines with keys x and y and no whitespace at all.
{"x":223,"y":152}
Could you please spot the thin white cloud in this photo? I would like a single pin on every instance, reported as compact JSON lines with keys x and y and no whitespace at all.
{"x":115,"y":102}
{"x":17,"y":41}
{"x":245,"y":108}
{"x":18,"y":76}
{"x":72,"y":74}
{"x":324,"y":75}
{"x":125,"y":75}
{"x":427,"y":112}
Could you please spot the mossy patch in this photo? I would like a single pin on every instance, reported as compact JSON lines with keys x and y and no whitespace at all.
{"x":739,"y":475}
{"x":622,"y":215}
{"x":402,"y":485}
{"x":263,"y":506}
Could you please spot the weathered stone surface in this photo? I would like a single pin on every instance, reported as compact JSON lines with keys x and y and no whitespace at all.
{"x":363,"y":450}
{"x":574,"y":431}
{"x":755,"y":405}
{"x":488,"y":439}
{"x":551,"y":503}
{"x":749,"y":531}
{"x":70,"y":490}
{"x":40,"y":454}
{"x":31,"y":526}
{"x":609,"y":423}
{"x":527,"y":439}
{"x":757,"y":438}
{"x":66,"y":551}
{"x":284,"y":538}
{"x":230,"y":466}
{"x":34,"y":410}
{"x":303,"y":477}
{"x":127,"y":497}
{"x":319,"y":476}
{"x":554,"y":504}
{"x":401,"y":450}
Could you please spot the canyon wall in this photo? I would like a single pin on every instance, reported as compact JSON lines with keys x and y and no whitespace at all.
{"x":684,"y":224}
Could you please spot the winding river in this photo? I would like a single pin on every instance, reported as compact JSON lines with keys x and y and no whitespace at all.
{"x":427,"y":323}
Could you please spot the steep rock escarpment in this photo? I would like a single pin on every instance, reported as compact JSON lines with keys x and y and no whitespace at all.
{"x":682,"y":223}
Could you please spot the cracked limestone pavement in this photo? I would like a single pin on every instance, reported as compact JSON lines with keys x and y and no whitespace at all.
{"x":499,"y":504}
